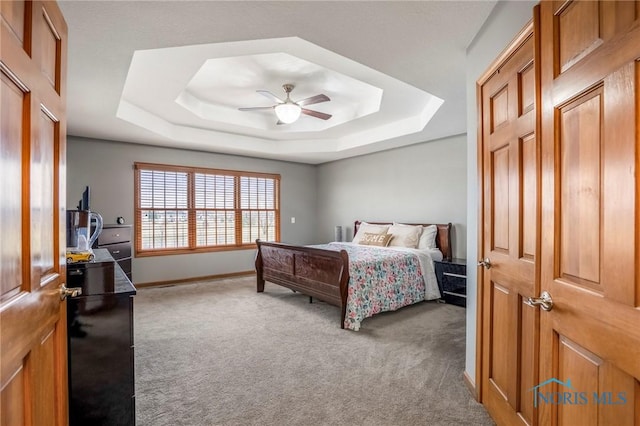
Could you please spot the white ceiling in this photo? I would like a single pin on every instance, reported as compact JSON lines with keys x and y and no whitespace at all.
{"x":142,"y":62}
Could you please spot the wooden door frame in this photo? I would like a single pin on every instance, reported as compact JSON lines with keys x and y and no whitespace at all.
{"x":503,"y":57}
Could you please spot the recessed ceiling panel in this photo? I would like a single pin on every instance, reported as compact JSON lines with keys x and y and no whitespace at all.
{"x":192,"y":94}
{"x":223,"y":85}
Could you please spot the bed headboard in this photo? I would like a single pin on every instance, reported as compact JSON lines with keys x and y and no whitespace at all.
{"x":443,"y":238}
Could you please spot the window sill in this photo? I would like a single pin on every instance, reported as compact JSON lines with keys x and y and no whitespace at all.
{"x":173,"y":252}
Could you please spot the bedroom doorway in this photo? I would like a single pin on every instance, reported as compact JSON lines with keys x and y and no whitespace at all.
{"x":561,"y":217}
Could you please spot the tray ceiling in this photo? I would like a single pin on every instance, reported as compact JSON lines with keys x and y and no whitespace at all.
{"x":173,"y":73}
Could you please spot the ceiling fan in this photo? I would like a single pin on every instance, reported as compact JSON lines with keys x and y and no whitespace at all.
{"x":289,"y":111}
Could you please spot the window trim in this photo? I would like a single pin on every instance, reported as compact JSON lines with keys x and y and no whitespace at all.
{"x":191,"y":209}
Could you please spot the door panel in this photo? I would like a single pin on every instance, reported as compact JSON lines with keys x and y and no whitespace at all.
{"x":527,"y":86}
{"x":44,"y":355}
{"x":501,"y":341}
{"x":618,"y":16}
{"x":43,"y":205}
{"x":510,"y":199}
{"x":528,"y":360}
{"x":13,"y":109}
{"x":619,"y":130}
{"x":579,"y":143}
{"x":578,"y":31}
{"x":590,"y":340}
{"x":33,"y":372}
{"x":13,"y":16}
{"x":12,"y":409}
{"x":49,"y":43}
{"x":575,"y":361}
{"x":500,"y":190}
{"x":529,"y":197}
{"x":499,"y":108}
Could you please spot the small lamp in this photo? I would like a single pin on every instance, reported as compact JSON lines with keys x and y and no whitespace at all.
{"x":338,"y":233}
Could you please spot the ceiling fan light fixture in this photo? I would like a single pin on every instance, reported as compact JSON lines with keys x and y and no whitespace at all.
{"x":288,"y":112}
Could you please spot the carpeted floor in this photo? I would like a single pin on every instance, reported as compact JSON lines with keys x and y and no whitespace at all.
{"x":218,"y":353}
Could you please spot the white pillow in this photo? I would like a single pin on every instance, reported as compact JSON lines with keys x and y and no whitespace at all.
{"x":428,"y":237}
{"x":404,"y":235}
{"x":369,"y":228}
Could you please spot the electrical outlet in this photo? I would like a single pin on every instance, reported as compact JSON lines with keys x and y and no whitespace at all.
{"x":293,"y":220}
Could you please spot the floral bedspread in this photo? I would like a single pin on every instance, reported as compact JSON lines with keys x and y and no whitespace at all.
{"x":380,"y":280}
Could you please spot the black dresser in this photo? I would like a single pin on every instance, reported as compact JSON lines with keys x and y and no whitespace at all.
{"x":100,"y":343}
{"x":452,"y":280}
{"x":118,"y":240}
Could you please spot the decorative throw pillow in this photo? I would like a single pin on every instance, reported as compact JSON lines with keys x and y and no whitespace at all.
{"x":428,"y":237}
{"x":370,"y":239}
{"x":368,"y":227}
{"x":405,"y":235}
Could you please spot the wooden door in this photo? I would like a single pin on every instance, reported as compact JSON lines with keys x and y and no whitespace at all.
{"x":509,"y":167}
{"x":590,"y":253}
{"x":33,"y":372}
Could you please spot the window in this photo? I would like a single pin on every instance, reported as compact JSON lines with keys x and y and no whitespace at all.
{"x":187,"y":209}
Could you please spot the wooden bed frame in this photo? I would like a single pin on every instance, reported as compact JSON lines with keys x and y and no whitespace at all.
{"x":320,"y":273}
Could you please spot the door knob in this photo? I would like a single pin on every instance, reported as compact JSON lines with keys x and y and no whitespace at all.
{"x":545,"y":301}
{"x":486,"y":262}
{"x":69,"y":292}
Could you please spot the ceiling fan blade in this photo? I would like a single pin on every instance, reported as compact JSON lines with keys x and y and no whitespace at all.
{"x":313,"y":100}
{"x":280,"y":122}
{"x":316,"y":114}
{"x":270,"y":95}
{"x":254,"y":108}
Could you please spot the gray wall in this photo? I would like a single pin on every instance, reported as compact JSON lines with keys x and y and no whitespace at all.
{"x":107,"y":167}
{"x":504,"y":23}
{"x":419,"y":183}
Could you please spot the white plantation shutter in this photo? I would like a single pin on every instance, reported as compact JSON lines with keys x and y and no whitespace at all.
{"x":183,"y":209}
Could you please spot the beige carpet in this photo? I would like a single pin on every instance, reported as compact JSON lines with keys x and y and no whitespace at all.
{"x":218,"y":353}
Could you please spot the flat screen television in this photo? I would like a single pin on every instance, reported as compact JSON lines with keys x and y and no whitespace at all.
{"x":83,"y":204}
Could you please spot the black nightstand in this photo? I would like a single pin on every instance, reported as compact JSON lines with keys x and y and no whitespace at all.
{"x":452,"y":279}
